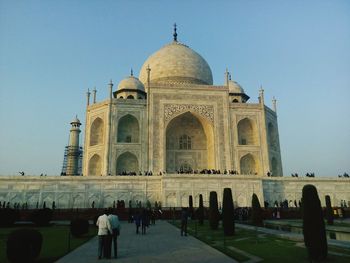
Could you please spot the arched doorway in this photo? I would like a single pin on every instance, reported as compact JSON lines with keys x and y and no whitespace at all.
{"x":274,"y":167}
{"x":96,"y":132}
{"x":246,"y":132}
{"x":272,"y":135}
{"x":248,"y":164}
{"x":128,"y":129}
{"x":189,"y":143}
{"x":127,"y":162}
{"x":95,"y":165}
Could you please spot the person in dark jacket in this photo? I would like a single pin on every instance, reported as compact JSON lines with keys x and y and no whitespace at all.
{"x":184,"y":217}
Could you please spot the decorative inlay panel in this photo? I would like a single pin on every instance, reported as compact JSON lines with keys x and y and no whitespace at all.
{"x":170,"y":110}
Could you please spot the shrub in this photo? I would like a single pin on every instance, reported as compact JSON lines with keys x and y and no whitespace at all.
{"x":228,"y":220}
{"x":79,"y":227}
{"x":190,"y":205}
{"x":42,"y":217}
{"x":200,"y":211}
{"x":329,"y":210}
{"x":257,"y":218}
{"x":313,"y":224}
{"x":8,"y":216}
{"x":214,"y":215}
{"x":23,"y":245}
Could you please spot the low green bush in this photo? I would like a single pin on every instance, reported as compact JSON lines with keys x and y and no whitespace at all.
{"x":42,"y":217}
{"x":24,"y":245}
{"x":79,"y":227}
{"x":8,"y":217}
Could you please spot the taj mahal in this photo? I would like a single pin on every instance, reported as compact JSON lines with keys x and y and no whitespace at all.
{"x":170,"y":133}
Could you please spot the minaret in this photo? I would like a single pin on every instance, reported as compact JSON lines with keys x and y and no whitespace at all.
{"x":274,"y":106}
{"x":73,"y":148}
{"x":227,"y":74}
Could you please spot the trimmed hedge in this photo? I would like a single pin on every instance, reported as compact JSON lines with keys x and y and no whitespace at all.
{"x":313,"y":225}
{"x":214,"y":215}
{"x":257,"y":216}
{"x":24,"y":245}
{"x":190,"y":205}
{"x":42,"y":217}
{"x":228,"y":217}
{"x":8,"y":217}
{"x":79,"y":227}
{"x":329,"y":210}
{"x":200,"y":211}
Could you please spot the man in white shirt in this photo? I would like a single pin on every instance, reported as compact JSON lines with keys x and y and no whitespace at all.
{"x":115,"y":224}
{"x":104,"y":228}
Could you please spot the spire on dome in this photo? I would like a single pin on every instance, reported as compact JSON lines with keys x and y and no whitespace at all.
{"x":131,"y":72}
{"x":175,"y":34}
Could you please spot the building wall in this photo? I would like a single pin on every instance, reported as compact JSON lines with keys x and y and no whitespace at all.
{"x":172,"y":190}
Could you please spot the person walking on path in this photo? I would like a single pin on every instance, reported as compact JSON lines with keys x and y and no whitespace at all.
{"x":104,"y":228}
{"x":184,"y":217}
{"x":137,"y":219}
{"x":115,"y":224}
{"x":144,"y":221}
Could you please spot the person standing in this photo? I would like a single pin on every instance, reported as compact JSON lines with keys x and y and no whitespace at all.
{"x":144,"y":221}
{"x":184,"y":217}
{"x":137,"y":219}
{"x":104,"y":228}
{"x":115,"y":224}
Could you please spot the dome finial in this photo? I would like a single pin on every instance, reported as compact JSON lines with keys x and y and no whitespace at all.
{"x":175,"y":34}
{"x":131,"y":72}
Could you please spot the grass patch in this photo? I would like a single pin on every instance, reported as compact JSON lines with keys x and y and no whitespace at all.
{"x":55,"y":241}
{"x":268,"y":247}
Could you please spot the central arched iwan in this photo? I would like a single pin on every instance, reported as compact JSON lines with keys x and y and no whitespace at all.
{"x":189,"y":143}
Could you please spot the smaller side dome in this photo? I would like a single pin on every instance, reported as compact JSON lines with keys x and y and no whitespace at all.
{"x":131,"y":83}
{"x":234,"y":87}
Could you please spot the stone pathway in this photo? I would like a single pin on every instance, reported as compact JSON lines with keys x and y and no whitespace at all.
{"x":162,"y":243}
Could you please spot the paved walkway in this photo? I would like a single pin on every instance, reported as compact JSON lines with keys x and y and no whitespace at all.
{"x":162,"y":243}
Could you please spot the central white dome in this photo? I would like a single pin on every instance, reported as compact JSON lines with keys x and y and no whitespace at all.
{"x":177,"y":62}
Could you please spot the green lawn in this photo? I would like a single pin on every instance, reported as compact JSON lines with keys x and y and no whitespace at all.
{"x":55,"y":242}
{"x":268,"y":247}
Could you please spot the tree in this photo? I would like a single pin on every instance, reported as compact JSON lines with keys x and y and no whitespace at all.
{"x":329,"y":210}
{"x":190,"y":205}
{"x":228,"y":220}
{"x":214,"y":215}
{"x":313,"y":225}
{"x":257,"y":218}
{"x":200,"y":211}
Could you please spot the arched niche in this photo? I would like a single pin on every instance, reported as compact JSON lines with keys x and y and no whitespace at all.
{"x":274,"y":167}
{"x":95,"y":165}
{"x":127,"y":162}
{"x":248,"y":164}
{"x":272,"y":135}
{"x":189,"y":143}
{"x":247,"y":134}
{"x":130,"y":97}
{"x":96,"y":132}
{"x":128,"y":129}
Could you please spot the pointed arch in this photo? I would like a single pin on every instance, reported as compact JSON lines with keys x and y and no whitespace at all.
{"x":96,"y":132}
{"x":248,"y":164}
{"x":189,"y":142}
{"x":272,"y":136}
{"x":247,"y":134}
{"x":127,"y":162}
{"x":274,"y":167}
{"x":128,"y":129}
{"x":95,"y":165}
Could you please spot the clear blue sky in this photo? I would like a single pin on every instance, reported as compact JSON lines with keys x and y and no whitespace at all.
{"x":51,"y":52}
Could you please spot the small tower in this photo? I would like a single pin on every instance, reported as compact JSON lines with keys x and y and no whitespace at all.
{"x":73,"y":151}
